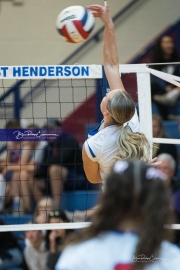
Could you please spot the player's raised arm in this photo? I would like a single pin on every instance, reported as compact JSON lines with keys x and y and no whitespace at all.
{"x":110,"y":52}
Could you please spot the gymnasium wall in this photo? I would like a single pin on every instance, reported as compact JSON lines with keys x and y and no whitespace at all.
{"x":28,"y":35}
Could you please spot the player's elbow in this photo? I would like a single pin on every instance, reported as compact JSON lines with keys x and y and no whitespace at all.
{"x":93,"y":178}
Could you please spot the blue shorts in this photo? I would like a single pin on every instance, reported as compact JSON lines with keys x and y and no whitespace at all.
{"x":9,"y":176}
{"x":75,"y":181}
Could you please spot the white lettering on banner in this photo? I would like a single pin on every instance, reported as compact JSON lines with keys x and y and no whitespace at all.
{"x":71,"y":71}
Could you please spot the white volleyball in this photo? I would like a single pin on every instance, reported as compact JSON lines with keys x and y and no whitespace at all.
{"x":75,"y":23}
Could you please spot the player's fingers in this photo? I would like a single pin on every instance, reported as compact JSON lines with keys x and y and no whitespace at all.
{"x":96,"y":10}
{"x":95,"y":7}
{"x":155,"y":164}
{"x":95,"y":14}
{"x":153,"y":160}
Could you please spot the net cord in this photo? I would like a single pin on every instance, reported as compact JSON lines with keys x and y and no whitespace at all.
{"x":50,"y":226}
{"x":58,"y":226}
{"x":168,"y":63}
{"x":162,"y":140}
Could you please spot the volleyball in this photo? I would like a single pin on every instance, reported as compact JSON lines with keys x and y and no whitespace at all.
{"x":75,"y":23}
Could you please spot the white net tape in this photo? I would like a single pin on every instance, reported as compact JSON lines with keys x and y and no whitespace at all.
{"x":50,"y":226}
{"x":54,"y":226}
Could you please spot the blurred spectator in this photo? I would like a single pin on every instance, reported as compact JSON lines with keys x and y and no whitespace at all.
{"x":13,"y":156}
{"x":159,"y":132}
{"x":165,"y":94}
{"x":35,"y":252}
{"x":23,"y":182}
{"x":32,"y":155}
{"x":168,"y":167}
{"x":62,"y":163}
{"x":44,"y":206}
{"x":10,"y":251}
{"x":55,"y":238}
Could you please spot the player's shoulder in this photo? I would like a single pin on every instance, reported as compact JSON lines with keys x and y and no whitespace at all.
{"x":168,"y":257}
{"x":106,"y":136}
{"x":76,"y":252}
{"x":83,"y":252}
{"x":108,"y":131}
{"x":170,"y":249}
{"x":98,"y":136}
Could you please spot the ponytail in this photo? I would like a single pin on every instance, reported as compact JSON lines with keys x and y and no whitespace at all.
{"x":133,"y":145}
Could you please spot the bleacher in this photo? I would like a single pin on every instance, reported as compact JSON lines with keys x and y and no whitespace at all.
{"x":71,"y":201}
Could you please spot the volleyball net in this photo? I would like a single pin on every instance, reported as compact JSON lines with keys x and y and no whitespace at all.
{"x":47,"y":100}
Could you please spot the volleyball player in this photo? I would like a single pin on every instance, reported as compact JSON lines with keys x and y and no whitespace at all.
{"x":127,"y":230}
{"x":119,"y":134}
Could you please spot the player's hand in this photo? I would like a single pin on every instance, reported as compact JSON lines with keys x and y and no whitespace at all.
{"x":168,"y":88}
{"x":154,"y":162}
{"x":100,"y":12}
{"x":52,"y":239}
{"x":53,"y":235}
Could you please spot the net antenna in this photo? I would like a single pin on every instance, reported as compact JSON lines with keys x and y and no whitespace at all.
{"x":105,"y":3}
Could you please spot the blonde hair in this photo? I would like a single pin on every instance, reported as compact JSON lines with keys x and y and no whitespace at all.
{"x":131,"y":145}
{"x":49,"y":205}
{"x":121,"y":107}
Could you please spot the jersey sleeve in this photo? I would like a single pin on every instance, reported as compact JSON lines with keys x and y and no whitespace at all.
{"x":169,"y":256}
{"x":70,"y":259}
{"x":93,"y":147}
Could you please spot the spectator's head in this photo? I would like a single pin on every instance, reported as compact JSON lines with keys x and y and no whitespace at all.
{"x":157,"y":126}
{"x":137,"y":199}
{"x":13,"y":123}
{"x":168,"y":165}
{"x":35,"y":238}
{"x":167,"y":45}
{"x":59,"y":216}
{"x":58,"y":235}
{"x":44,"y":206}
{"x":164,"y":50}
{"x":53,"y":123}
